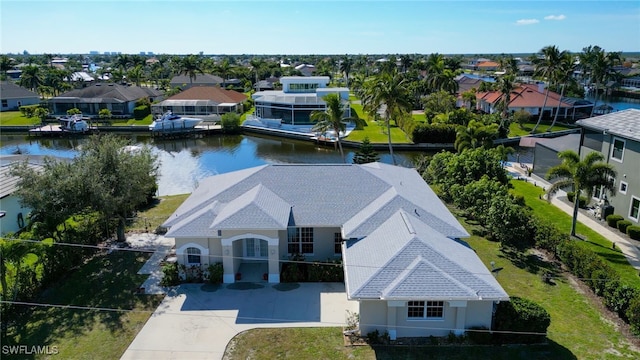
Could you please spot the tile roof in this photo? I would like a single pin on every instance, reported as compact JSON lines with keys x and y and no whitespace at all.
{"x":525,"y":95}
{"x":207,"y":79}
{"x":9,"y":90}
{"x":214,"y":93}
{"x":625,"y":123}
{"x":405,"y":258}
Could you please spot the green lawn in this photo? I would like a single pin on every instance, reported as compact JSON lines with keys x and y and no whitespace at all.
{"x":516,"y":130}
{"x":106,"y":281}
{"x":377,"y":133}
{"x":15,"y":118}
{"x":562,"y":220}
{"x":152,"y":217}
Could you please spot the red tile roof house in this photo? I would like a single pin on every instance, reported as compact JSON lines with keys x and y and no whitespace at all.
{"x":531,"y":98}
{"x":211,"y":101}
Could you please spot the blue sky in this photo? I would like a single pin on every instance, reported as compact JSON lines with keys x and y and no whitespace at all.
{"x":316,"y":27}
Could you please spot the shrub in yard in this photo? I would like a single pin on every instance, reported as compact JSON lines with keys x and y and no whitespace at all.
{"x":633,"y":315}
{"x":216,"y":272}
{"x":546,"y":235}
{"x":520,"y":315}
{"x":437,"y":133}
{"x":634,"y":232}
{"x":140,"y":112}
{"x":231,"y":123}
{"x":583,"y":199}
{"x":618,"y":297}
{"x":622,"y":225}
{"x":612,"y":220}
{"x":170,"y":275}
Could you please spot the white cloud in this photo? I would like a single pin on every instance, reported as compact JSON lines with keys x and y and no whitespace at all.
{"x":555,"y":17}
{"x":527,"y":21}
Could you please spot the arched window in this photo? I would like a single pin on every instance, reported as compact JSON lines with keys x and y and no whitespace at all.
{"x":193,"y":255}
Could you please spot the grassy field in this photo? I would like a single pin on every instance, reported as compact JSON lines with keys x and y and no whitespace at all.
{"x":377,"y":133}
{"x":15,"y":118}
{"x":106,"y":281}
{"x":516,"y":130}
{"x":594,"y":241}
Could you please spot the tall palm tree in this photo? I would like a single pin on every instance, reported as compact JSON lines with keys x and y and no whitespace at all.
{"x":563,"y":76}
{"x":6,"y":64}
{"x":136,"y":74}
{"x":506,"y":86}
{"x":331,"y":119}
{"x":388,"y":89}
{"x":224,"y":69}
{"x":601,"y":64}
{"x":122,"y":62}
{"x":190,"y":66}
{"x":509,"y":65}
{"x":345,"y":67}
{"x":546,"y":68}
{"x":581,"y":176}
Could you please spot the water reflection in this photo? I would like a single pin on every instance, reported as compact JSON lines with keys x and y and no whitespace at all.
{"x":184,"y":162}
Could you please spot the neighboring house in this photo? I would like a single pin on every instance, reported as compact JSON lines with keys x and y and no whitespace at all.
{"x":306,"y":69}
{"x":545,"y":152}
{"x":13,"y":96}
{"x":531,"y":98}
{"x":184,"y":81}
{"x":202,"y":100}
{"x":119,"y":99}
{"x":299,"y":97}
{"x":13,"y":216}
{"x":403,"y":258}
{"x":617,"y":137}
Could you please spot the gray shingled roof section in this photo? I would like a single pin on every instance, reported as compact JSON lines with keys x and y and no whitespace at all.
{"x":403,"y":253}
{"x":9,"y":90}
{"x":8,"y":183}
{"x":113,"y":92}
{"x":625,"y":123}
{"x":207,"y":191}
{"x":410,"y":185}
{"x":258,"y":208}
{"x":198,"y":223}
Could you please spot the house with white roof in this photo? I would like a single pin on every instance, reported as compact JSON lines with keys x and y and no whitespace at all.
{"x":291,"y":107}
{"x":617,"y":136}
{"x":403,"y":258}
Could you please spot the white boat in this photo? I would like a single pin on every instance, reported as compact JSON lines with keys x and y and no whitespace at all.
{"x":73,"y":123}
{"x":171,"y":122}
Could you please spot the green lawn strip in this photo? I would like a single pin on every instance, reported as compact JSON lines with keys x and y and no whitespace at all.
{"x":15,"y":118}
{"x":516,"y":130}
{"x":594,"y":241}
{"x":149,"y":219}
{"x":106,"y":281}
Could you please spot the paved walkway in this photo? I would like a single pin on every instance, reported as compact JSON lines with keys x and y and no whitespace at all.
{"x":161,"y":246}
{"x":629,"y":247}
{"x":197,"y":321}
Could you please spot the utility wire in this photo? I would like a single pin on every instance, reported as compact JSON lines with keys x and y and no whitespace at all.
{"x":112,"y":248}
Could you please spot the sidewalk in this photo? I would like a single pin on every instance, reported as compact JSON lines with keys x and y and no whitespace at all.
{"x":161,"y":247}
{"x":629,"y":247}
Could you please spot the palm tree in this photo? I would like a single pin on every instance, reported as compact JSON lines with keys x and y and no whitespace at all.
{"x":190,"y":66}
{"x":474,"y":135}
{"x":6,"y":64}
{"x":136,"y":75}
{"x":506,"y":86}
{"x":31,"y":77}
{"x":546,"y":68}
{"x":581,"y":176}
{"x":563,"y":76}
{"x":469,"y":98}
{"x":331,"y":119}
{"x":123,"y":61}
{"x":509,"y":65}
{"x":345,"y":67}
{"x":388,"y":89}
{"x":224,"y":69}
{"x":601,"y":65}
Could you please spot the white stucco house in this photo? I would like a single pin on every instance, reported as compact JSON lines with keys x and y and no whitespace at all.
{"x":403,"y":258}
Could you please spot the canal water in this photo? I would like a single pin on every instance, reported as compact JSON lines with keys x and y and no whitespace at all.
{"x":185,"y":162}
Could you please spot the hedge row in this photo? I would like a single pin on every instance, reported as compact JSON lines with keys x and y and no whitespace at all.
{"x":625,"y":226}
{"x":520,"y":315}
{"x":436,"y":133}
{"x":597,"y":274}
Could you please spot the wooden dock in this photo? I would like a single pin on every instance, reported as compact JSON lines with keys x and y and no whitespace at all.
{"x":55,"y":130}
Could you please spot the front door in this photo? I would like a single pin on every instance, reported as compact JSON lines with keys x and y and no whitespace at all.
{"x":256,"y":248}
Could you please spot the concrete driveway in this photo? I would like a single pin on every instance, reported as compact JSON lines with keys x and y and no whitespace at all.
{"x":197,"y":321}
